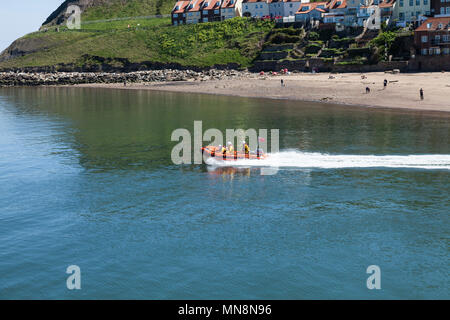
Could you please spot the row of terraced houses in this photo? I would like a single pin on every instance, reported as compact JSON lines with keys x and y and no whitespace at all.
{"x":344,"y":12}
{"x":432,"y":16}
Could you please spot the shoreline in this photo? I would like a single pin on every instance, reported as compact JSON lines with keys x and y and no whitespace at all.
{"x":401,"y":93}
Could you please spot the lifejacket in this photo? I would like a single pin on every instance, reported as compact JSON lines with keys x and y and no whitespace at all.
{"x":246,"y":148}
{"x":224,"y":150}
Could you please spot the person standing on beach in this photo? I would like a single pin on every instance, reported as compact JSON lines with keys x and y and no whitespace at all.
{"x":282,"y":82}
{"x":385,"y":82}
{"x":421,"y":93}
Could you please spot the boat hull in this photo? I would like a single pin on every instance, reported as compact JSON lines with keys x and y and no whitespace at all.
{"x":213,"y":152}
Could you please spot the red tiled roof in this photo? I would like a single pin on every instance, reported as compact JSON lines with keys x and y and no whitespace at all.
{"x":386,"y":3}
{"x":434,"y":23}
{"x":211,"y":4}
{"x":252,"y":1}
{"x":334,"y":4}
{"x":312,"y":6}
{"x":196,"y":5}
{"x":180,"y":6}
{"x":228,"y":4}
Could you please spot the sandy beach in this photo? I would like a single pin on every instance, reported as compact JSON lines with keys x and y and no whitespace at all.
{"x":402,"y":91}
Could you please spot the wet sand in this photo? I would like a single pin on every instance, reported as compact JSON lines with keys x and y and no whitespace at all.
{"x":402,"y":91}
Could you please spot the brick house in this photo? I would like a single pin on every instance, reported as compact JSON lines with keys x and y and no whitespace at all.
{"x":178,"y":13}
{"x":433,"y":36}
{"x":211,"y":10}
{"x":440,"y":8}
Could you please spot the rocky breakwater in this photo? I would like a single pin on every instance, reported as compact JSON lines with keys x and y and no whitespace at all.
{"x":70,"y":78}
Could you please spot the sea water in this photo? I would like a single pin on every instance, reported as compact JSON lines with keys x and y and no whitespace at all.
{"x":86,"y":179}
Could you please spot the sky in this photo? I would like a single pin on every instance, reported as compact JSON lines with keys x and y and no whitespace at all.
{"x":19,"y":17}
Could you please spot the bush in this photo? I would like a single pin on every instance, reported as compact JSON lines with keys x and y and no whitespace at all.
{"x":312,"y":48}
{"x":313,"y":36}
{"x":384,"y":41}
{"x":280,"y":38}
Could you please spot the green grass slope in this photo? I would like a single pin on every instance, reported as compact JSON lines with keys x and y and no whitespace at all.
{"x":129,"y":8}
{"x":237,"y":40}
{"x":109,"y":9}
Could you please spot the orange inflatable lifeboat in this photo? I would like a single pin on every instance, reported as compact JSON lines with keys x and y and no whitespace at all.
{"x":213,"y":152}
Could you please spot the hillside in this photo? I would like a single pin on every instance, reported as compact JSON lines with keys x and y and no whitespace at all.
{"x":237,"y":41}
{"x":108,"y":9}
{"x":130,"y":35}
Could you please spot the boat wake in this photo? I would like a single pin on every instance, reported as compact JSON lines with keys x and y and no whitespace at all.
{"x":298,"y":159}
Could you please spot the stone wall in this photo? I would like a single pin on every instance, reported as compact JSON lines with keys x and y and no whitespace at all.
{"x":69,"y":78}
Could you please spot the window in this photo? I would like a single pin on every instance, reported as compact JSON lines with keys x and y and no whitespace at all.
{"x":424,"y":52}
{"x":446,"y":50}
{"x":425,"y":2}
{"x":411,"y":3}
{"x":401,"y":3}
{"x":447,"y":10}
{"x":290,"y":5}
{"x":401,"y":16}
{"x":445,"y":38}
{"x":417,"y":2}
{"x":424,"y":39}
{"x":442,"y":10}
{"x":175,"y":15}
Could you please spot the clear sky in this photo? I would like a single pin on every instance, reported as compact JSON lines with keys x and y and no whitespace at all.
{"x":19,"y":17}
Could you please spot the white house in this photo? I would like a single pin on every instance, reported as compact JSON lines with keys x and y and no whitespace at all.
{"x":255,"y":8}
{"x":291,"y":7}
{"x":409,"y":10}
{"x":276,"y":8}
{"x":310,"y":12}
{"x":230,"y":9}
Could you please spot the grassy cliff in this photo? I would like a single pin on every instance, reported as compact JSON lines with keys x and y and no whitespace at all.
{"x":237,"y":40}
{"x":108,"y":9}
{"x":136,"y":40}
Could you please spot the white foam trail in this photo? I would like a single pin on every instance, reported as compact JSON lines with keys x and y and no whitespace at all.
{"x":298,"y":159}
